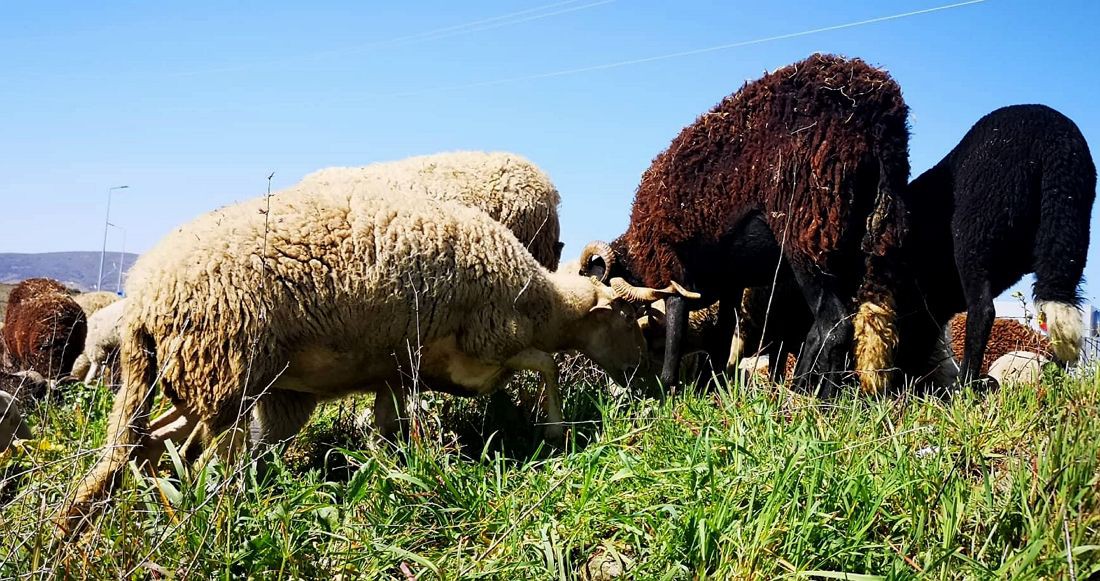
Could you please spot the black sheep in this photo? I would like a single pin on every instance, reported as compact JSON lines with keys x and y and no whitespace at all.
{"x":1013,"y":197}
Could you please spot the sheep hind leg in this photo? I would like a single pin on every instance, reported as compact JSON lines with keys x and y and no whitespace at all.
{"x":173,"y":425}
{"x":544,"y":364}
{"x":823,"y":361}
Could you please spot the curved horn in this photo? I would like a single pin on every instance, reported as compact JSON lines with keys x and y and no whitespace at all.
{"x":683,"y":291}
{"x":597,"y":258}
{"x":644,"y":294}
{"x":636,"y":294}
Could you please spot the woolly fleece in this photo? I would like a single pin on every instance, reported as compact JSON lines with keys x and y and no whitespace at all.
{"x":317,"y":292}
{"x":508,"y":187}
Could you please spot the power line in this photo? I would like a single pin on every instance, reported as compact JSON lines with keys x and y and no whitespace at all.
{"x":510,"y":19}
{"x":692,"y":52}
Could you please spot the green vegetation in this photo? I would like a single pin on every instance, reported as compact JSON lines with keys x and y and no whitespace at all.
{"x":750,"y":482}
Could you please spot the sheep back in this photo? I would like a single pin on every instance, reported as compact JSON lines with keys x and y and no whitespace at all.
{"x":94,"y":301}
{"x":44,"y":328}
{"x":801,"y":145}
{"x":508,"y":187}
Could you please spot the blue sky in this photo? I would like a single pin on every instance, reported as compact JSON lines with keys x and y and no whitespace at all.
{"x":193,"y":104}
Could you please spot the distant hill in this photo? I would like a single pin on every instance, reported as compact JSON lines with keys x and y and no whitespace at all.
{"x":73,"y":269}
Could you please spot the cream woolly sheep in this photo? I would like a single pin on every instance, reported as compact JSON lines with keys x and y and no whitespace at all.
{"x":94,"y":301}
{"x":504,"y":185}
{"x":314,"y":293}
{"x":508,"y":187}
{"x":101,"y":344}
{"x":1022,"y":367}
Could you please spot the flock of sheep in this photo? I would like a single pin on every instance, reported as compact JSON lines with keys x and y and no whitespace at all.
{"x":781,"y":222}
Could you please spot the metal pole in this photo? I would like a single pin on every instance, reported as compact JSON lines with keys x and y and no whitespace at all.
{"x":121,"y":260}
{"x":106,"y":223}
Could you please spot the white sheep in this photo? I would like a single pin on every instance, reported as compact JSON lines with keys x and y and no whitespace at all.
{"x":94,"y":301}
{"x":507,"y":186}
{"x":1022,"y":367}
{"x":312,"y":294}
{"x":101,"y":345}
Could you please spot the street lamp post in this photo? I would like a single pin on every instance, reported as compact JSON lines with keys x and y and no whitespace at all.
{"x":106,"y":223}
{"x":121,"y":259}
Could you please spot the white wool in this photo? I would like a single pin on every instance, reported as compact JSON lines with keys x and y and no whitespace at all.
{"x":1066,"y":328}
{"x":506,"y":186}
{"x":1022,"y":367}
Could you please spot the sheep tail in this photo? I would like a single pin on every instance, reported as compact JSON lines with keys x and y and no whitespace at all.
{"x":126,"y":432}
{"x":875,"y":323}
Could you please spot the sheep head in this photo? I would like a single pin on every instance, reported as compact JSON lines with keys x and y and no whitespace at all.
{"x":607,"y":332}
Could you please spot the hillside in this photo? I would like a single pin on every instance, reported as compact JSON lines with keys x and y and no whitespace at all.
{"x":74,"y":269}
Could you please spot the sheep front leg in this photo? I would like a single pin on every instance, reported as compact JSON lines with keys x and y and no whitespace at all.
{"x":676,"y":322}
{"x":980,"y":313}
{"x":279,"y":415}
{"x":543,"y":363}
{"x":388,"y":404}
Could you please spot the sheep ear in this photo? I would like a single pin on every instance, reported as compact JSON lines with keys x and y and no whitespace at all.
{"x":603,"y":300}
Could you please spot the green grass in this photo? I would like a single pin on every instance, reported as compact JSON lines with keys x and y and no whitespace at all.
{"x":751,"y":482}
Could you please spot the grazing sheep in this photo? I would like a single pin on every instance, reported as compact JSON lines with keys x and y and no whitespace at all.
{"x":44,"y":328}
{"x":25,"y":386}
{"x":12,"y":425}
{"x":773,"y":320}
{"x":1014,"y":196}
{"x":805,"y":164}
{"x":92,"y":302}
{"x":1006,"y":336}
{"x":761,"y":367}
{"x":767,"y":324}
{"x":312,"y":294}
{"x":1022,"y":367}
{"x":101,"y":345}
{"x":508,"y":187}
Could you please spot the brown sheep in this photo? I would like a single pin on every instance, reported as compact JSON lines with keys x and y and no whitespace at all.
{"x":44,"y":328}
{"x":1008,"y":335}
{"x":804,"y":165}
